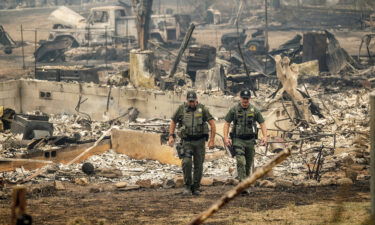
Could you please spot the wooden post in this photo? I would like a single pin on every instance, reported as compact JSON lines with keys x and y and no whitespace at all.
{"x":18,"y":203}
{"x":372,"y":153}
{"x":23,"y":51}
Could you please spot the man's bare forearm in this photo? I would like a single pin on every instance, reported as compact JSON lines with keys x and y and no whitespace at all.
{"x":172,"y":127}
{"x":264,"y":129}
{"x":213,"y":129}
{"x":226,"y":129}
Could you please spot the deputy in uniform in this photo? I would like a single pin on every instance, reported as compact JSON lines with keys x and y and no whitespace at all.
{"x":192,"y":118}
{"x":244,"y":133}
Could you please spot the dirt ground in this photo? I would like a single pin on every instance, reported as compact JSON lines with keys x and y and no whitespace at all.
{"x":294,"y":205}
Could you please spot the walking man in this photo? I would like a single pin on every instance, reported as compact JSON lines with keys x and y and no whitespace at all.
{"x":244,"y":133}
{"x":192,"y":118}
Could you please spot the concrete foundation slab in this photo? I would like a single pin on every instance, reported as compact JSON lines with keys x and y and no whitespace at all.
{"x":141,"y":145}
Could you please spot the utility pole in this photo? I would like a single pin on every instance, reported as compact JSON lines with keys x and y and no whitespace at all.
{"x":266,"y":34}
{"x":372,"y":154}
{"x":23,"y":51}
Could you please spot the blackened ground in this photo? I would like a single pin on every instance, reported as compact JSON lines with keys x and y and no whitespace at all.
{"x":168,"y":206}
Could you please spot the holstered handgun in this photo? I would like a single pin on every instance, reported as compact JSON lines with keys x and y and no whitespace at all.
{"x":231,"y":150}
{"x":179,"y":149}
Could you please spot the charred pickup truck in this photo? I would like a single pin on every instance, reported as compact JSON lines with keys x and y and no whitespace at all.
{"x":114,"y":23}
{"x":107,"y":25}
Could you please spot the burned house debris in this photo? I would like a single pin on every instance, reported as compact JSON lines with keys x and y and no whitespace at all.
{"x":106,"y":25}
{"x":6,"y":42}
{"x":90,"y":117}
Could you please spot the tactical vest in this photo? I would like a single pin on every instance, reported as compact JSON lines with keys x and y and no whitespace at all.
{"x":244,"y":124}
{"x":192,"y":124}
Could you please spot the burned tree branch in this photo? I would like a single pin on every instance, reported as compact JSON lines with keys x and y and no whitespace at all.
{"x":231,"y":194}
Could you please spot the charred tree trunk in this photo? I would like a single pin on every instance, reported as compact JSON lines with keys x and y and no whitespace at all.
{"x":288,"y":75}
{"x":143,"y":9}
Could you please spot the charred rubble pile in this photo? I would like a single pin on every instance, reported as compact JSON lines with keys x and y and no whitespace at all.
{"x":335,"y":147}
{"x":321,"y":91}
{"x":327,"y":114}
{"x":11,"y":4}
{"x":324,"y":151}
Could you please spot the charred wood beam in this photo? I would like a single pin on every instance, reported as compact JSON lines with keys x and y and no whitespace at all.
{"x":182,"y":49}
{"x":251,"y":83}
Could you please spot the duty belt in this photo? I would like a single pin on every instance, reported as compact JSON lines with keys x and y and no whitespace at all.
{"x":194,"y":138}
{"x":246,"y":137}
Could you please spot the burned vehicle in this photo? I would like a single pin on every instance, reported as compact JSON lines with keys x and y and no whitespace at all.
{"x":6,"y":41}
{"x":111,"y":24}
{"x":255,"y":45}
{"x":105,"y":25}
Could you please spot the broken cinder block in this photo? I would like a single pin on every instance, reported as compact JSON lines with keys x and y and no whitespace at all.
{"x":59,"y":185}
